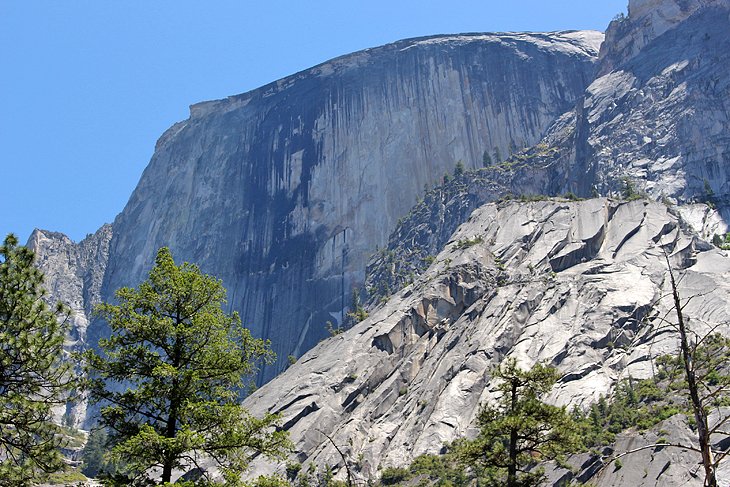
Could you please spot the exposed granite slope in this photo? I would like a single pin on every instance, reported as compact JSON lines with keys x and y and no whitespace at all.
{"x":285,"y":191}
{"x":579,"y":285}
{"x":658,"y":114}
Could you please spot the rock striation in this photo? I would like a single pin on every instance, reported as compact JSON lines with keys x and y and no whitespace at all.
{"x":285,"y":191}
{"x":579,"y":285}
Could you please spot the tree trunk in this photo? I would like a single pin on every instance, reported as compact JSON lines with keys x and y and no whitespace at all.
{"x":703,"y":431}
{"x":512,"y":467}
{"x":169,"y":460}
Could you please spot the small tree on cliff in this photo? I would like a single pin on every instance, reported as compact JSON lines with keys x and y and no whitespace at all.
{"x":520,"y":430}
{"x":699,"y":380}
{"x":171,"y":374}
{"x":33,"y":377}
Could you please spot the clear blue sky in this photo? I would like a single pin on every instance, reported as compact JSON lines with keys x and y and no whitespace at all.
{"x":87,"y":86}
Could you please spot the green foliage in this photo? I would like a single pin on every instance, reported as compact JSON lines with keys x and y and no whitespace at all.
{"x":268,"y":481}
{"x":33,"y":377}
{"x":170,"y":377}
{"x":66,"y":477}
{"x":392,"y":476}
{"x":465,"y":243}
{"x":292,"y":470}
{"x":440,"y":470}
{"x":459,"y":169}
{"x":639,"y":404}
{"x":443,"y":470}
{"x":570,"y":196}
{"x":95,"y":462}
{"x":486,"y":159}
{"x":357,"y":312}
{"x":525,"y":198}
{"x":520,"y":430}
{"x":629,"y":191}
{"x":330,"y":327}
{"x":722,"y":241}
{"x":497,"y":155}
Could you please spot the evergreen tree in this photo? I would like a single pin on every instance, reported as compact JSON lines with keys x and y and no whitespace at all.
{"x":520,"y":430}
{"x":357,"y":312}
{"x":497,"y":155}
{"x":171,"y":374}
{"x":459,"y":169}
{"x":629,"y":191}
{"x":486,"y":159}
{"x":33,"y":376}
{"x":94,"y":462}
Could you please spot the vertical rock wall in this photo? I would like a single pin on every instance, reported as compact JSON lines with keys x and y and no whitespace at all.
{"x":285,"y":191}
{"x":73,"y":274}
{"x":658,"y":114}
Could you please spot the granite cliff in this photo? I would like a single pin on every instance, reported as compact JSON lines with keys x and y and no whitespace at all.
{"x":656,"y":118}
{"x":285,"y":191}
{"x":657,"y":115}
{"x":582,"y":286}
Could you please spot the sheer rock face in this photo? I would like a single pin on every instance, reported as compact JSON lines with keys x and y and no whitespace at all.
{"x":647,"y":20}
{"x":658,"y":114}
{"x":578,"y":285}
{"x":285,"y":191}
{"x":73,"y":274}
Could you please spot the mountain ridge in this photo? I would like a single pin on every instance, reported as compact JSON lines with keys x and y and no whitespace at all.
{"x":285,"y":196}
{"x":285,"y":191}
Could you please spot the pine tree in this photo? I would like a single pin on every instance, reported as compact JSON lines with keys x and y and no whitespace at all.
{"x":520,"y":430}
{"x":497,"y":155}
{"x":486,"y":159}
{"x":707,"y":378}
{"x":171,"y":374}
{"x":459,"y":169}
{"x":33,"y":376}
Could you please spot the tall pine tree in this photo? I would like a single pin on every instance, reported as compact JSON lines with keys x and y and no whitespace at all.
{"x":33,"y":376}
{"x":170,"y":378}
{"x":520,"y":430}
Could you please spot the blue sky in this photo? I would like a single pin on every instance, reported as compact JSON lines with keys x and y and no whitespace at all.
{"x":88,"y":86}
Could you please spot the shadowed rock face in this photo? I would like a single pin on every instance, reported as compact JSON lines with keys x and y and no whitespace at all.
{"x":582,"y":286}
{"x":285,"y":191}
